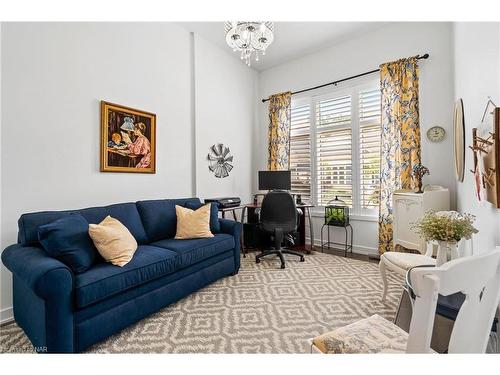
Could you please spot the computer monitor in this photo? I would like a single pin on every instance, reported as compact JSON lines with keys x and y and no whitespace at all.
{"x":275,"y":180}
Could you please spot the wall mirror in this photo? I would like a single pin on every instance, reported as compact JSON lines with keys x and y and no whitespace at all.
{"x":459,"y":139}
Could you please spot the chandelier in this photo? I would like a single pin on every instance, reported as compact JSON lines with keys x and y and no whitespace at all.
{"x":249,"y":37}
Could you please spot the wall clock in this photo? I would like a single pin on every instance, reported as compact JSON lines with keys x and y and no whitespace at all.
{"x":436,"y":134}
{"x":219,"y":160}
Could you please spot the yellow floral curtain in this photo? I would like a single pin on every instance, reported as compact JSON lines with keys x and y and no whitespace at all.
{"x":400,"y":142}
{"x":279,"y":132}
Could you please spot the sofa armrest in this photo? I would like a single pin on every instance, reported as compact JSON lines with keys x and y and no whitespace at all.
{"x":43,"y":289}
{"x":46,"y":276}
{"x":233,"y":228}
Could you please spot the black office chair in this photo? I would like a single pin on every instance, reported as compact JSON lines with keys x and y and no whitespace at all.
{"x":278,"y":216}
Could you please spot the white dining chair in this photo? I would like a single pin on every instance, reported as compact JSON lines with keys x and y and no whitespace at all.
{"x":400,"y":263}
{"x":478,"y":277}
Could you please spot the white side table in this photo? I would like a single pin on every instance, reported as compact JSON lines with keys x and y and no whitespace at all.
{"x":409,"y":207}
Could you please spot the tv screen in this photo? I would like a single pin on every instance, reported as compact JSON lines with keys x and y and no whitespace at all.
{"x":274,"y":180}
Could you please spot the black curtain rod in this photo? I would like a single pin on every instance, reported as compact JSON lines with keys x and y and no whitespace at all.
{"x":426,"y":56}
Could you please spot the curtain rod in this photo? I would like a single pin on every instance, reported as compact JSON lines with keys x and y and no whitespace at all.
{"x":426,"y":56}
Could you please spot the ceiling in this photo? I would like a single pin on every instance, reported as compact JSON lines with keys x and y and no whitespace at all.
{"x":291,"y":39}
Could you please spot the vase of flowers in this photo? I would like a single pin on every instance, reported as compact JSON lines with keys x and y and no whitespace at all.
{"x":418,"y":172}
{"x":446,"y":228}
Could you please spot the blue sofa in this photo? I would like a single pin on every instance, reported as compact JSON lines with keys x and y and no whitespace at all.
{"x":64,"y":312}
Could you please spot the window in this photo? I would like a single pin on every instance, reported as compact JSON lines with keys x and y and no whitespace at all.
{"x":300,"y":154}
{"x":335,"y":147}
{"x":333,"y":150}
{"x":369,"y":148}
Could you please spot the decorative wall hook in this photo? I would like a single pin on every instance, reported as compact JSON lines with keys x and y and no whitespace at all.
{"x":478,"y":148}
{"x":487,"y":150}
{"x":488,"y":103}
{"x":485,"y":141}
{"x":488,"y":178}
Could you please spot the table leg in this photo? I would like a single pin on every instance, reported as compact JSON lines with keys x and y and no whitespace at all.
{"x":302,"y":227}
{"x":321,"y":237}
{"x":352,"y":236}
{"x":328,"y":231}
{"x":346,"y":241}
{"x":243,"y":249}
{"x":311,"y":229}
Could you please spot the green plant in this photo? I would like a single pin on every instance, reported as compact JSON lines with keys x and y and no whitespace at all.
{"x":335,"y":216}
{"x":449,"y":226}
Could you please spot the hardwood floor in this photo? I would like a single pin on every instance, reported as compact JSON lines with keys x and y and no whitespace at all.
{"x":366,"y":258}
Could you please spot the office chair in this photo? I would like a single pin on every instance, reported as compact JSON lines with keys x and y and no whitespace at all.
{"x":278,"y":216}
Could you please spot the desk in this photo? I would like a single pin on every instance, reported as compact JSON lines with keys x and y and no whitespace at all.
{"x":131,"y":158}
{"x":305,"y":208}
{"x":233,"y":210}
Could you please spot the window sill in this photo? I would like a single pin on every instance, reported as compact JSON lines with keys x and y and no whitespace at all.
{"x":370,"y":218}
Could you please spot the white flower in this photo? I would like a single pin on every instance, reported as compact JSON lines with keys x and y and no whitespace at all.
{"x":453,"y":215}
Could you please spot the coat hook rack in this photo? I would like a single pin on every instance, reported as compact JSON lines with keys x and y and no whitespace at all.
{"x":488,"y":149}
{"x":488,"y":178}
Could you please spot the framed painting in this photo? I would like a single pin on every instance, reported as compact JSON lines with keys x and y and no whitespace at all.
{"x":128,"y":139}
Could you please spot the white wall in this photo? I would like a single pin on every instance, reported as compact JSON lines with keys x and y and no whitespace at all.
{"x":5,"y":313}
{"x":55,"y":74}
{"x":365,"y":53}
{"x":477,"y":76}
{"x":225,"y":103}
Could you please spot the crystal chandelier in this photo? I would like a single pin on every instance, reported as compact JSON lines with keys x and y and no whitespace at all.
{"x":249,"y":37}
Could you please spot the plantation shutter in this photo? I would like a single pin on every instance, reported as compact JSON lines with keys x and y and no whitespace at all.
{"x":333,"y":150}
{"x":300,"y":151}
{"x":369,"y":147}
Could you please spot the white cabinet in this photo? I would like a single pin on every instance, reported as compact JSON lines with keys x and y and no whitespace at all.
{"x":408,"y":207}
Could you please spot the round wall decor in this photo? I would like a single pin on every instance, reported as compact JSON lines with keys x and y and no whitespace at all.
{"x":436,"y":134}
{"x":459,"y":139}
{"x":219,"y":160}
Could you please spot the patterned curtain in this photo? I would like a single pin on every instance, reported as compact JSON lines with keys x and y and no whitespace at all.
{"x":400,"y":142}
{"x":279,"y":132}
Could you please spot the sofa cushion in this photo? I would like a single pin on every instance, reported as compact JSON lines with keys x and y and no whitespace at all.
{"x":67,"y":240}
{"x":113,"y":240}
{"x":193,"y":223}
{"x":125,"y":212}
{"x":195,"y":250}
{"x":105,"y":280}
{"x":214,"y":214}
{"x":159,"y":218}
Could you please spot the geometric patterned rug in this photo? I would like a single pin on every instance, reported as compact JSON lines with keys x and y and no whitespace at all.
{"x":263,"y":309}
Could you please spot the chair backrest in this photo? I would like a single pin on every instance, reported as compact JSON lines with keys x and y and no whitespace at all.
{"x":478,"y":278}
{"x":278,"y":211}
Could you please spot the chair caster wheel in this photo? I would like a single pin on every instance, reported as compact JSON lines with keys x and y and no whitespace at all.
{"x":302,"y":259}
{"x":257,"y":260}
{"x":282,"y":266}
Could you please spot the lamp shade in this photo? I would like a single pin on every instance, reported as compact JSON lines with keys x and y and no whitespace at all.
{"x":128,"y":124}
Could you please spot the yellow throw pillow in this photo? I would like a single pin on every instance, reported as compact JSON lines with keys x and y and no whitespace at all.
{"x":193,"y":223}
{"x":113,"y":241}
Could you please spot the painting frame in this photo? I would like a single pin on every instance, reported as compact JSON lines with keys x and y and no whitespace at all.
{"x":108,"y":154}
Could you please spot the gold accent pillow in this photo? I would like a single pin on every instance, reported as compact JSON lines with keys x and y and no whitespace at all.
{"x":193,"y":223}
{"x":113,"y":241}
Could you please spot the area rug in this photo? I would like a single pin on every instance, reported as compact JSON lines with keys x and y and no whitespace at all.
{"x":263,"y":309}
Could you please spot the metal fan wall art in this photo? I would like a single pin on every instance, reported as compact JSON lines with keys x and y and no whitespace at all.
{"x":219,"y":160}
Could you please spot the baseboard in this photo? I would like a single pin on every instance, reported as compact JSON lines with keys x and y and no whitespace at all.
{"x":6,"y":315}
{"x":363,"y":250}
